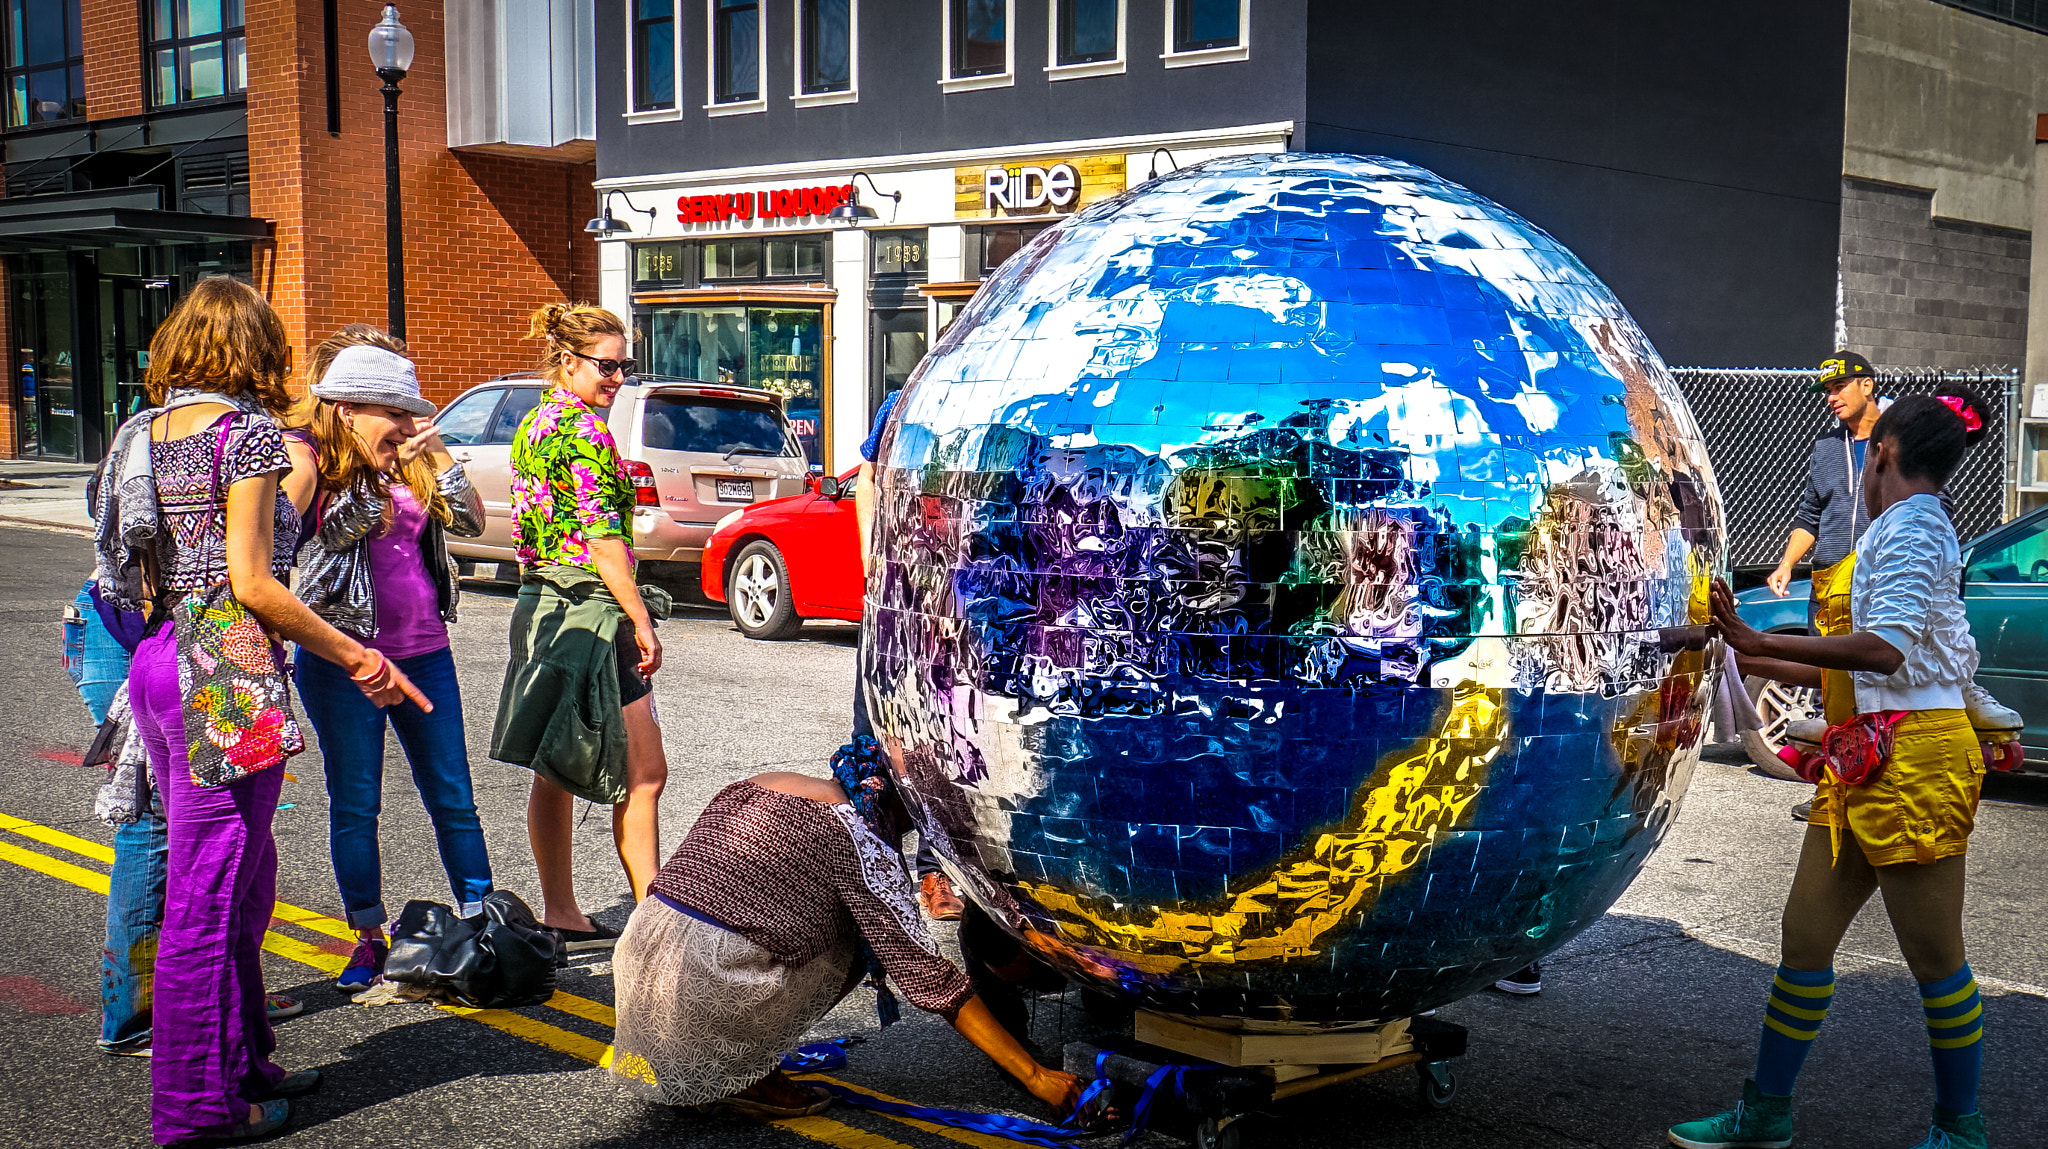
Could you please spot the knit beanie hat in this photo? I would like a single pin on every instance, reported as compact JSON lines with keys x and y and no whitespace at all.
{"x":366,"y":374}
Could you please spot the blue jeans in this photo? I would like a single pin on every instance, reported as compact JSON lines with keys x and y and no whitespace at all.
{"x":97,"y":664}
{"x":351,"y":733}
{"x":135,"y":916}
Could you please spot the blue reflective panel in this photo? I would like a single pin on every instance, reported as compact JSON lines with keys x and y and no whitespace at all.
{"x":1260,"y":627}
{"x":1087,"y":30}
{"x":205,"y":71}
{"x":49,"y":95}
{"x":1205,"y":24}
{"x":17,"y":102}
{"x":827,"y":46}
{"x":165,"y":76}
{"x":199,"y":17}
{"x":45,"y":39}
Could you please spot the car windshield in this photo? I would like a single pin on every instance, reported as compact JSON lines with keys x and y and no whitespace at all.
{"x":717,"y":426}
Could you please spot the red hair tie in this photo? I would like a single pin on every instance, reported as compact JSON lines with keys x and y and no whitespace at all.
{"x":1961,"y":406}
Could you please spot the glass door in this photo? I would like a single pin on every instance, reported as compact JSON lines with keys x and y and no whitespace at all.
{"x":40,"y":291}
{"x":130,"y":310}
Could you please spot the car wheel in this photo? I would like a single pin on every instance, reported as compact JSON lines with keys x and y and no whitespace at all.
{"x":757,"y":594}
{"x":1778,"y":705}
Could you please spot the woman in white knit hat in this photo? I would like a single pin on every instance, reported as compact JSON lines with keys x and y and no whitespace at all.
{"x":375,"y":564}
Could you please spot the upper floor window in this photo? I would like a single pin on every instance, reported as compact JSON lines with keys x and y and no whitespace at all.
{"x":1206,"y":31}
{"x":1086,"y":31}
{"x":45,"y":70}
{"x":825,"y":33}
{"x":735,"y":51}
{"x":2025,"y":13}
{"x":1086,"y":38}
{"x":979,"y":49}
{"x":981,"y":37}
{"x":654,"y":55}
{"x":196,"y":50}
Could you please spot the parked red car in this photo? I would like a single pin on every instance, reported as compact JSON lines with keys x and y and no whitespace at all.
{"x":777,"y":563}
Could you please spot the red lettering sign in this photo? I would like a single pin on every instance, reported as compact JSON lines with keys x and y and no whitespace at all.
{"x":767,"y":203}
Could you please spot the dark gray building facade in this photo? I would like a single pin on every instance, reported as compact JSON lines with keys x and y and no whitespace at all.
{"x":1690,"y":154}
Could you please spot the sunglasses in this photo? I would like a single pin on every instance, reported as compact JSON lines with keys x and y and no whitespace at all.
{"x":609,"y":367}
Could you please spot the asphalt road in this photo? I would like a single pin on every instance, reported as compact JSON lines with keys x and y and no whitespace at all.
{"x":1648,"y":1018}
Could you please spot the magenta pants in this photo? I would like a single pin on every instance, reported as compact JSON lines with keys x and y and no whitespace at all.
{"x":211,"y":1046}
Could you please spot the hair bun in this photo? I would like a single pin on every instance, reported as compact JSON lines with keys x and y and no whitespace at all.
{"x":546,"y":320}
{"x":1969,"y":409}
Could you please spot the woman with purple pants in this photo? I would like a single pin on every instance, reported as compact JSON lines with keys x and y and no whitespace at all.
{"x":188,"y":504}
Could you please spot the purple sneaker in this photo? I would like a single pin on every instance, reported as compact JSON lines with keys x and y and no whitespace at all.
{"x":365,"y":966}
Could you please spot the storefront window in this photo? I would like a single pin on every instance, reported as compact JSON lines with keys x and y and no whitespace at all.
{"x":794,"y":257}
{"x":45,"y":72}
{"x":735,"y":51}
{"x":1000,"y":243}
{"x":661,"y":263}
{"x":827,"y":39}
{"x":45,"y":378}
{"x":777,"y":349}
{"x":899,"y":252}
{"x":980,"y":37}
{"x":654,"y":55}
{"x":196,"y":50}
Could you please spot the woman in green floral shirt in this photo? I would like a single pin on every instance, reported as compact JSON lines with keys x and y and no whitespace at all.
{"x":572,"y":509}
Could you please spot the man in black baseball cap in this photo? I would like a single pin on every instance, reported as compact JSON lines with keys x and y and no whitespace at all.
{"x":1831,"y":516}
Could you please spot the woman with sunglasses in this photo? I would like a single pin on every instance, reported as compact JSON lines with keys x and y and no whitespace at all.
{"x":576,"y":707}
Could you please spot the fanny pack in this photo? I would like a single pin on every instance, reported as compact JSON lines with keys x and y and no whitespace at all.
{"x":1856,"y":751}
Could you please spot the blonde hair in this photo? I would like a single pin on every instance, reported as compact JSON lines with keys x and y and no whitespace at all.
{"x":344,"y":462}
{"x":571,"y":327}
{"x":222,"y":337}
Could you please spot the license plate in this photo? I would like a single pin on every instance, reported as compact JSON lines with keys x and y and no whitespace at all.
{"x":736,"y":490}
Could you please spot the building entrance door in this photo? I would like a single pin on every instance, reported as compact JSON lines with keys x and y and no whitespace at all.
{"x":130,"y":309}
{"x":39,"y":290}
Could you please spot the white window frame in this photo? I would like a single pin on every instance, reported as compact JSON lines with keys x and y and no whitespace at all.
{"x":675,"y":110}
{"x":1007,"y":77}
{"x":1054,"y":70}
{"x":1242,"y":50}
{"x":851,"y":95}
{"x":759,"y":103}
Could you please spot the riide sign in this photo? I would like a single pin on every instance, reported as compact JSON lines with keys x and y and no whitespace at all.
{"x":768,"y":203}
{"x":1036,"y":188}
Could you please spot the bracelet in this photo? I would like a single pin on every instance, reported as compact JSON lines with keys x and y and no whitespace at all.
{"x":370,"y":679}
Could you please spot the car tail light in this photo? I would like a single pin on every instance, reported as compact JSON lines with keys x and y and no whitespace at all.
{"x":642,"y":477}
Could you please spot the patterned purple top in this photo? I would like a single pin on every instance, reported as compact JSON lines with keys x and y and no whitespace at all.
{"x":192,"y":551}
{"x":794,"y":876}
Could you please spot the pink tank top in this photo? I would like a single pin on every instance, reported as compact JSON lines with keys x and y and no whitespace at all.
{"x":408,"y":604}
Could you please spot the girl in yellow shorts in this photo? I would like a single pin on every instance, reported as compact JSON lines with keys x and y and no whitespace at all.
{"x":1898,"y":672}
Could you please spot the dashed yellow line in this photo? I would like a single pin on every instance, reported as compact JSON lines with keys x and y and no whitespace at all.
{"x":518,"y":1025}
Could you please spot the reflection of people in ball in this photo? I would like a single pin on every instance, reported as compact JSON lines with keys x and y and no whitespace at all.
{"x":784,"y":895}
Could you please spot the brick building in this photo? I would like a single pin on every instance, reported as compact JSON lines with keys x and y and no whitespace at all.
{"x":247,"y":137}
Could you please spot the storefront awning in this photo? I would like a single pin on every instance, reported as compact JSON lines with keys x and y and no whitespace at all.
{"x":88,"y":220}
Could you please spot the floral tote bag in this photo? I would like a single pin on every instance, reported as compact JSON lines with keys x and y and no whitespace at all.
{"x":238,"y":717}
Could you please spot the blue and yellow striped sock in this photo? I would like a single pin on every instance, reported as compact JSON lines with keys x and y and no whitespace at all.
{"x":1798,"y":1004}
{"x":1955,"y":1036}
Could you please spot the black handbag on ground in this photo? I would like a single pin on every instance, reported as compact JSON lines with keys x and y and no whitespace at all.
{"x":501,"y":958}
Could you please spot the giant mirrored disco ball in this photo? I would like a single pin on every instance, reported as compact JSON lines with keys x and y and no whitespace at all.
{"x":1291,"y":592}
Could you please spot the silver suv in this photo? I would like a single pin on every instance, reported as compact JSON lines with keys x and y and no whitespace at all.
{"x":695,"y":452}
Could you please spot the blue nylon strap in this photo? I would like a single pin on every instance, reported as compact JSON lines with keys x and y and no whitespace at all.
{"x":826,"y":1055}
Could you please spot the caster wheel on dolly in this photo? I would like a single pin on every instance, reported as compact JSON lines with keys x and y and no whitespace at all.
{"x":1436,"y":1084}
{"x":1217,"y":1133}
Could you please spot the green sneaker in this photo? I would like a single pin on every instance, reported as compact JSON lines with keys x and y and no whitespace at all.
{"x":1952,"y":1132}
{"x":1757,"y":1122}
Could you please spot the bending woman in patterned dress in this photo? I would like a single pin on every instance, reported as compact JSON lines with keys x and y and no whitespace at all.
{"x":785,"y":893}
{"x":1898,"y":800}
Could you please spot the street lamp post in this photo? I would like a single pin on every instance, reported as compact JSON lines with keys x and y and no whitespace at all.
{"x":391,"y":55}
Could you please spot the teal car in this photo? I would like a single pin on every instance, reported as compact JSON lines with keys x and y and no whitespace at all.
{"x":2005,"y":591}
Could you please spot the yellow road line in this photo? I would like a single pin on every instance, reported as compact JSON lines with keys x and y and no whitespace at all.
{"x":44,"y":864}
{"x":540,"y":1033}
{"x":58,"y":838}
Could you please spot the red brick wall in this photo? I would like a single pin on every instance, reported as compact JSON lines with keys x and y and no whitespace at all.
{"x":487,"y":238}
{"x":113,"y":59}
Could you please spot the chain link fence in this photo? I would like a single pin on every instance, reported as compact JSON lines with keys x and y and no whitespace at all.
{"x":1760,"y":425}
